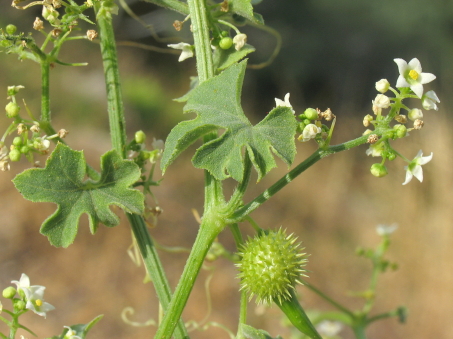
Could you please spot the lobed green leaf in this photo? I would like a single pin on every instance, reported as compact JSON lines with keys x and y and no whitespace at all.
{"x":62,"y":182}
{"x":217,"y":105}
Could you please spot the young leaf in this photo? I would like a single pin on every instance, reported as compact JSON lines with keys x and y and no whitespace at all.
{"x":217,"y":104}
{"x":224,"y":58}
{"x":62,"y":182}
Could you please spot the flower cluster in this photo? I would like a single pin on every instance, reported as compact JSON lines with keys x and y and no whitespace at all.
{"x":29,"y":139}
{"x":409,"y":85}
{"x":31,"y":297}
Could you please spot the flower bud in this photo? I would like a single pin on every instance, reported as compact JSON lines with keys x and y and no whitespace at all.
{"x":14,"y":154}
{"x":415,"y":114}
{"x":430,"y":100}
{"x":12,"y":109}
{"x":11,"y":29}
{"x":9,"y":292}
{"x":311,"y":114}
{"x":225,"y":43}
{"x":140,"y":137}
{"x":24,"y":149}
{"x":382,"y":85}
{"x":400,"y":131}
{"x":19,"y":305}
{"x":378,"y":170}
{"x":17,"y":141}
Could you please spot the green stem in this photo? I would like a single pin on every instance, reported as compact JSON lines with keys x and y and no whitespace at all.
{"x":328,"y":299}
{"x":359,"y":331}
{"x":242,"y":212}
{"x":210,"y":227}
{"x":118,"y":136}
{"x":200,"y":30}
{"x":154,"y":267}
{"x":45,"y":91}
{"x":112,"y":79}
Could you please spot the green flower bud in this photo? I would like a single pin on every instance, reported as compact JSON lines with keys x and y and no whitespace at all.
{"x":24,"y":149}
{"x":391,"y":156}
{"x":14,"y":154}
{"x":19,"y":305}
{"x":311,"y":114}
{"x":226,"y":43}
{"x":17,"y":141}
{"x":140,"y":137}
{"x":11,"y":29}
{"x":271,"y":264}
{"x":400,"y":131}
{"x":12,"y":109}
{"x":378,"y":170}
{"x":9,"y":292}
{"x":224,"y":34}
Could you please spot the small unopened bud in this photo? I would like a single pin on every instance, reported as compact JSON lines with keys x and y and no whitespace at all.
{"x":415,"y":114}
{"x":311,"y":114}
{"x":401,"y":118}
{"x":12,"y":110}
{"x":92,"y":34}
{"x":9,"y":292}
{"x":178,"y":25}
{"x":367,"y":131}
{"x":56,"y":32}
{"x":89,"y":3}
{"x":378,"y":170}
{"x":382,"y":85}
{"x":372,"y":138}
{"x":367,"y":120}
{"x":400,"y":131}
{"x":140,"y":137}
{"x":19,"y":305}
{"x":14,"y":154}
{"x":381,"y":101}
{"x":62,"y":133}
{"x":11,"y":29}
{"x":418,"y":124}
{"x":38,"y":24}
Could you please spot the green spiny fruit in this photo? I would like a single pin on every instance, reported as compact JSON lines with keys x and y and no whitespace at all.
{"x":270,"y":266}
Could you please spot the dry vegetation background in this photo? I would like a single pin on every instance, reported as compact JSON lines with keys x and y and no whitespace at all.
{"x":333,"y":207}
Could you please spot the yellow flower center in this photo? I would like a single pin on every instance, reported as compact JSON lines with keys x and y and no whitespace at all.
{"x":38,"y":302}
{"x":413,"y":74}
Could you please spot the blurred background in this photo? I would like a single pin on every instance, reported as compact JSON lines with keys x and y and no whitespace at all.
{"x":333,"y":52}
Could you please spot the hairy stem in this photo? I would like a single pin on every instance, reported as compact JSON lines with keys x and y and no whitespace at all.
{"x":118,"y":136}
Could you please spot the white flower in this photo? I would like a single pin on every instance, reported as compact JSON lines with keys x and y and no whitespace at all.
{"x":284,"y":103}
{"x":414,"y":169}
{"x":310,"y":131}
{"x":382,"y":85}
{"x":415,"y":114}
{"x":329,"y":328}
{"x":429,"y":100}
{"x":23,"y":283}
{"x":35,"y":300}
{"x":4,"y":164}
{"x":239,"y":41}
{"x":158,"y":144}
{"x":187,"y":50}
{"x":411,"y":76}
{"x":34,"y":295}
{"x":383,"y":230}
{"x":71,"y":334}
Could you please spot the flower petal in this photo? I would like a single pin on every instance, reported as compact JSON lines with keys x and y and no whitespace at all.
{"x":417,"y":88}
{"x":425,"y":78}
{"x":415,"y":65}
{"x":408,"y":176}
